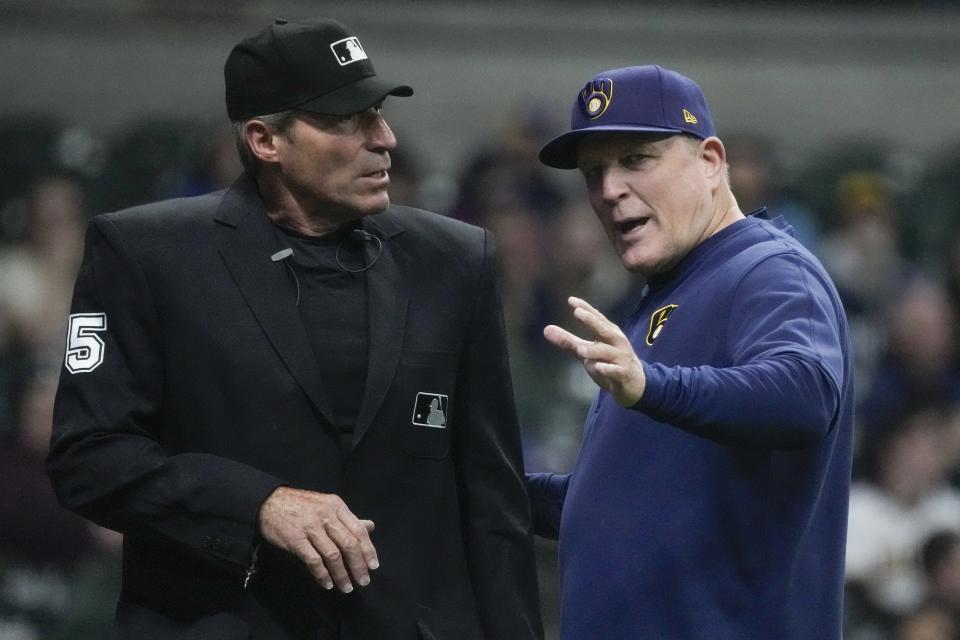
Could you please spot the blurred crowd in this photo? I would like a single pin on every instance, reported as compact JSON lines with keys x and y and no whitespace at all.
{"x":885,"y":224}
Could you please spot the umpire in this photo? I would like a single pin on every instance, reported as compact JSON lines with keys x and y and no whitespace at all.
{"x":293,"y":398}
{"x":709,"y":498}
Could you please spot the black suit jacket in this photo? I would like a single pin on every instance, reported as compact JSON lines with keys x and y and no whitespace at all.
{"x":190,"y":392}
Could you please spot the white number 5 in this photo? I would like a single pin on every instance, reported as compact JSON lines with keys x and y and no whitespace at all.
{"x":84,"y":347}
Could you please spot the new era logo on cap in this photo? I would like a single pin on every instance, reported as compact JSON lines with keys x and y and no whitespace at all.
{"x":348,"y":50}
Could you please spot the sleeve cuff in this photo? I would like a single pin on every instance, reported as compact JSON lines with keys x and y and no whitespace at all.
{"x":653,"y":390}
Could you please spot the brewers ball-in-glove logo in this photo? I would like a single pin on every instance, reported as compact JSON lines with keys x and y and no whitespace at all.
{"x":596,"y":97}
{"x":657,"y":320}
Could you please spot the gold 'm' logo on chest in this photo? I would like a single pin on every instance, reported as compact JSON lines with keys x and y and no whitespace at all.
{"x":657,"y":320}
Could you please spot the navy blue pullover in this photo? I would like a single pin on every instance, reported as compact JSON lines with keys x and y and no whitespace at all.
{"x":716,"y":507}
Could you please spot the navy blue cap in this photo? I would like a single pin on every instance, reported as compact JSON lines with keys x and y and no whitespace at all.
{"x":644,"y":99}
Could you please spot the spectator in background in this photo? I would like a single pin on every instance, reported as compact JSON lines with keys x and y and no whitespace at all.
{"x":919,"y":365}
{"x":573,"y":259}
{"x":580,"y":263}
{"x":505,"y":175}
{"x":756,"y":179}
{"x":902,"y":499}
{"x":37,"y":274}
{"x":217,"y":166}
{"x":521,"y":259}
{"x":951,"y":267}
{"x":14,"y":364}
{"x":927,"y":623}
{"x":861,"y":253}
{"x":936,"y":199}
{"x":941,"y":566}
{"x":44,"y":549}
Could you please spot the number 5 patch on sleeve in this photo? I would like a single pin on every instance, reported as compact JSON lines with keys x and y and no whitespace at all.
{"x":84,"y":346}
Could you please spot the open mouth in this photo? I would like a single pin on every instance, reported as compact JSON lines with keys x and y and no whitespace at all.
{"x":630,"y":225}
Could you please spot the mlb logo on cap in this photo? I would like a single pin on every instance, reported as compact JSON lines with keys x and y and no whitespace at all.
{"x":348,"y":50}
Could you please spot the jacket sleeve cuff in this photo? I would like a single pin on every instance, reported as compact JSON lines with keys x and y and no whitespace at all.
{"x":654,"y":389}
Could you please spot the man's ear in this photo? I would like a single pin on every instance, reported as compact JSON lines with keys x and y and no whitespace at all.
{"x":262,"y":140}
{"x":714,"y":159}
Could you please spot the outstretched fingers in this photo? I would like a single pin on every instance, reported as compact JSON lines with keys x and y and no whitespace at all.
{"x":609,"y":359}
{"x":563,"y":339}
{"x":598,"y":352}
{"x":597,"y":323}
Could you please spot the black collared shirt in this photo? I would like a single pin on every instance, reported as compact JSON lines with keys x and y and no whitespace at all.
{"x":333,"y":309}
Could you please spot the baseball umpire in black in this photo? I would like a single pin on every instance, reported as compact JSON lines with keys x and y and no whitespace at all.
{"x":293,"y":398}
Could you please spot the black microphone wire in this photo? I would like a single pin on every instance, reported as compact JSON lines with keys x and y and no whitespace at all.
{"x":359,"y":235}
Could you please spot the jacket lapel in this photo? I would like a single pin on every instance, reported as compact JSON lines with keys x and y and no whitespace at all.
{"x":247,"y":242}
{"x":387,"y":297}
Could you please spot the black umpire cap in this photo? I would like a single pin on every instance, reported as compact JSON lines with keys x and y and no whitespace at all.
{"x":317,"y":66}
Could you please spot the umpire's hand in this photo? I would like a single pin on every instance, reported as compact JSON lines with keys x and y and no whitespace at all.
{"x":609,"y":359}
{"x":319,"y":529}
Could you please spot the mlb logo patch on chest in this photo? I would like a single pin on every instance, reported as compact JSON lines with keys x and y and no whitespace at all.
{"x":430,"y":410}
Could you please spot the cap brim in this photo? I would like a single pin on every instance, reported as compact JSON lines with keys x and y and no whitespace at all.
{"x":561,"y":152}
{"x":355,"y":97}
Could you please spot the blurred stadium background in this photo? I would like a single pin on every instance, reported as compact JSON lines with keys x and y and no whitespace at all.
{"x":842,"y":116}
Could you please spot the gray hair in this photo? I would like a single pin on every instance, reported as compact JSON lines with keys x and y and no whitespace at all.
{"x":280,"y":121}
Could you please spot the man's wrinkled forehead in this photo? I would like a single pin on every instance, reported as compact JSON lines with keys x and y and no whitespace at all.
{"x":603,"y":144}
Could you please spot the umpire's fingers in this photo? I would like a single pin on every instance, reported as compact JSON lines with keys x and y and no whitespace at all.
{"x":351,"y":552}
{"x":361,"y":531}
{"x":332,"y":559}
{"x":307,"y":552}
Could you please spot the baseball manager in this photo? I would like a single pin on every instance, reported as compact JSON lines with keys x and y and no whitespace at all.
{"x":709,"y":498}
